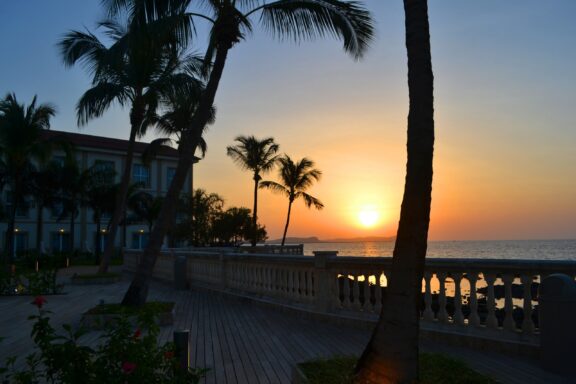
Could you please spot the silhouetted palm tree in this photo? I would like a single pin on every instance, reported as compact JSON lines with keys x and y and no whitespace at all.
{"x":295,"y":179}
{"x":21,"y":144}
{"x":391,"y":355}
{"x":296,"y":19}
{"x":144,"y":62}
{"x":258,"y":156}
{"x":44,"y":191}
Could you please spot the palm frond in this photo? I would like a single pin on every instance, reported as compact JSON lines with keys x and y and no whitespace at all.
{"x":309,"y":200}
{"x":308,"y":19}
{"x":97,"y":99}
{"x":274,"y":187}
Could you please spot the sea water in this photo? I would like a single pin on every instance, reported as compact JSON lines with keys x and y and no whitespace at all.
{"x":493,"y":249}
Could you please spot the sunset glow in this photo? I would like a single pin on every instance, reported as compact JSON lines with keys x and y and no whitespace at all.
{"x":368,"y":217}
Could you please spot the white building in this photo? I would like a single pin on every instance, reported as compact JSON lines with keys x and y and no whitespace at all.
{"x":110,"y":153}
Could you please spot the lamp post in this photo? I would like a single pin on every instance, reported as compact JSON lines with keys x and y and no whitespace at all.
{"x":140,"y":239}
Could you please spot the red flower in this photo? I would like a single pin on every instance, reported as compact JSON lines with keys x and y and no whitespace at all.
{"x":137,"y":333}
{"x":39,"y":301}
{"x":168,"y":355}
{"x":128,"y":367}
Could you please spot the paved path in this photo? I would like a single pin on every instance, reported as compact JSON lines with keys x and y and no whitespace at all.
{"x":240,"y":341}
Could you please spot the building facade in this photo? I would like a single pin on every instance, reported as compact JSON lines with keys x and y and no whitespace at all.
{"x":155,"y":177}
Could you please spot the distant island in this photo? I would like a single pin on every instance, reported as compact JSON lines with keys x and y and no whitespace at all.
{"x":314,"y":239}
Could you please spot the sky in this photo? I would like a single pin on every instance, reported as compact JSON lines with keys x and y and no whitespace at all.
{"x":505,"y":101}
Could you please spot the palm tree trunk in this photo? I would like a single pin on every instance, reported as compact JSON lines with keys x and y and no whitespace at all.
{"x":72,"y":230}
{"x":39,"y":225}
{"x":98,"y":238}
{"x":120,"y":199}
{"x":255,"y":216}
{"x":10,"y":245}
{"x":392,"y":353}
{"x":287,"y":222}
{"x":138,"y":290}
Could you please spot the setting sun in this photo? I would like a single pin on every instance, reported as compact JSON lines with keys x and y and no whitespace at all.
{"x":368,"y":217}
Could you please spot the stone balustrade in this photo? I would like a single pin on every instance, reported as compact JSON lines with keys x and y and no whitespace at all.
{"x":483,"y":295}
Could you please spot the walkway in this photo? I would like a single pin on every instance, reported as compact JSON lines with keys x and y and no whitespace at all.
{"x":241,"y":342}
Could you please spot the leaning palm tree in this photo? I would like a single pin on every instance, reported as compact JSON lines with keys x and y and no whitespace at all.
{"x":295,"y":179}
{"x":138,"y":67}
{"x":21,"y":144}
{"x":231,"y":21}
{"x":391,"y":355}
{"x":258,"y":156}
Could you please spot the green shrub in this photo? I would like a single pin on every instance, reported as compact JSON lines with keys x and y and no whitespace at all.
{"x":126,"y":355}
{"x":434,"y":369}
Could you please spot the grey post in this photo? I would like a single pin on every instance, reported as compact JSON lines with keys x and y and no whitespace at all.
{"x":180,"y":282}
{"x":557,"y":310}
{"x":322,"y":279}
{"x":181,"y":347}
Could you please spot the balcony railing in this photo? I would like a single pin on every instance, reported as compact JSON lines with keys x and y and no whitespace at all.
{"x":475,"y":295}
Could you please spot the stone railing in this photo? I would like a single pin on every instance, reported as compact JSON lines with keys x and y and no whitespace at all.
{"x":474,"y":295}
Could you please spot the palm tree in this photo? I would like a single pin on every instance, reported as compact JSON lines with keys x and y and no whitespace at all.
{"x":45,"y":193}
{"x":75,"y":185}
{"x":296,"y":19}
{"x":21,"y":145}
{"x":145,"y":208}
{"x":258,"y":156}
{"x":295,"y":178}
{"x":391,"y":355}
{"x":143,"y":62}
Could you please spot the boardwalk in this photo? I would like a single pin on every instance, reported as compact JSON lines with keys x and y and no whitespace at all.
{"x":241,"y":342}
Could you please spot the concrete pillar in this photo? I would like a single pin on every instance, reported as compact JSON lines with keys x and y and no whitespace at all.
{"x":557,"y":311}
{"x":322,"y":281}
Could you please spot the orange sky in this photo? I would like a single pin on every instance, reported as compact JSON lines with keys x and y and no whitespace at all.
{"x":505,"y":92}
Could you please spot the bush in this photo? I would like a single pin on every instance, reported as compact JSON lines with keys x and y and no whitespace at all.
{"x":126,"y":355}
{"x":434,"y":369}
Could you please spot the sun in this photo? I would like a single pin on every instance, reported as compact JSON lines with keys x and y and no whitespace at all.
{"x":368,"y":217}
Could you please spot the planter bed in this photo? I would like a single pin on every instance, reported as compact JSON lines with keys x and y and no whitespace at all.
{"x":95,"y":278}
{"x":101,"y":315}
{"x":434,"y":369}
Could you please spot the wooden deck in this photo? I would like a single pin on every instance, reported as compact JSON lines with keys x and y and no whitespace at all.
{"x":240,"y":341}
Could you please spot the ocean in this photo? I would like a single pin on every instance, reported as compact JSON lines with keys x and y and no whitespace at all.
{"x":494,"y":249}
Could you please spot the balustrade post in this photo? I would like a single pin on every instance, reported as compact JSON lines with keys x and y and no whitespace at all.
{"x":527,"y":324}
{"x":473,"y":318}
{"x":428,"y":312}
{"x":509,"y":323}
{"x":491,"y":320}
{"x":458,"y":316}
{"x":322,"y":280}
{"x":442,"y":312}
{"x":223,"y":272}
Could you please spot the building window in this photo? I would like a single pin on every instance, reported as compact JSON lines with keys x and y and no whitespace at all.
{"x":141,"y":174}
{"x":59,"y":160}
{"x":57,"y":210}
{"x":100,"y":245}
{"x":60,"y":241}
{"x":105,"y":171}
{"x":139,"y":239}
{"x":170,"y":172}
{"x":20,"y":241}
{"x":22,"y":208}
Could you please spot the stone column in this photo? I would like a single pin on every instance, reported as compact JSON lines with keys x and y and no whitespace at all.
{"x":322,"y":279}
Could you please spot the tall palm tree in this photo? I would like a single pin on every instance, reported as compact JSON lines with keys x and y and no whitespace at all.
{"x":141,"y":64}
{"x":258,"y":156}
{"x":391,"y":355}
{"x":75,"y":185}
{"x":45,"y":192}
{"x":296,"y":19}
{"x":21,"y":144}
{"x":295,"y":179}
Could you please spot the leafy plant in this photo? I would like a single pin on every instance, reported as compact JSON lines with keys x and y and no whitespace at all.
{"x":125,"y":355}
